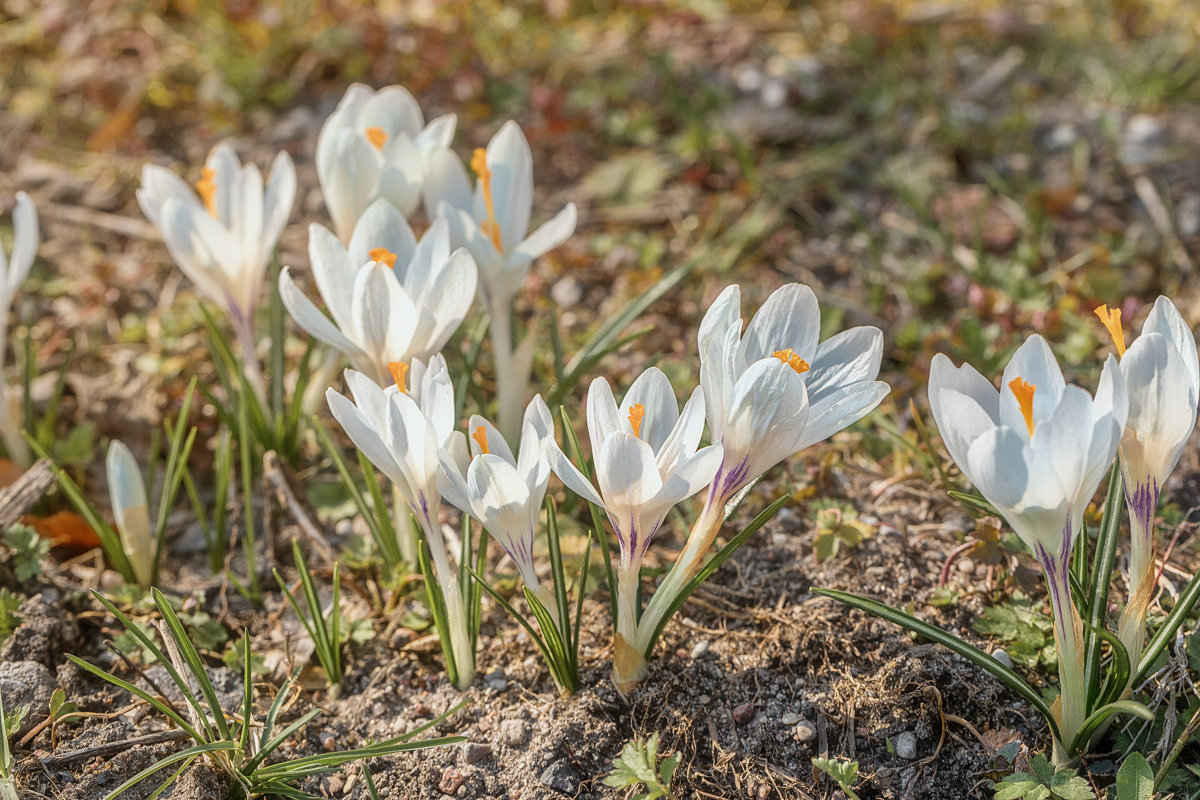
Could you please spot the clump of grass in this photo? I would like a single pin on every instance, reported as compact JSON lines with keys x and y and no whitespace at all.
{"x":236,"y":742}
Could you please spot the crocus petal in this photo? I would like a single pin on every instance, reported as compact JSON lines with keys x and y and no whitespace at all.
{"x":848,"y":357}
{"x":496,"y":445}
{"x":603,"y":418}
{"x":964,"y":405}
{"x":511,"y":163}
{"x":549,"y":235}
{"x":25,"y":242}
{"x":570,"y":475}
{"x":334,"y":274}
{"x":839,"y":409}
{"x":1035,"y":364}
{"x":789,"y":319}
{"x":1165,"y":319}
{"x":384,"y":317}
{"x":629,"y":480}
{"x":381,"y":225}
{"x":660,"y":411}
{"x":310,"y":318}
{"x":446,"y":181}
{"x":766,"y":417}
{"x":439,"y":133}
{"x":365,"y":437}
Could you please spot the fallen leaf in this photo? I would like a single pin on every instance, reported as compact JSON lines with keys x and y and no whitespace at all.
{"x":64,"y":529}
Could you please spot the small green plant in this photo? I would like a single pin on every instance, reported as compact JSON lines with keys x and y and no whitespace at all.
{"x":28,"y":550}
{"x":638,"y":764}
{"x":325,"y":629}
{"x":236,"y":742}
{"x":10,"y":602}
{"x":1135,"y":779}
{"x":844,"y":773}
{"x":1028,"y":636}
{"x":838,"y":527}
{"x":1044,"y":782}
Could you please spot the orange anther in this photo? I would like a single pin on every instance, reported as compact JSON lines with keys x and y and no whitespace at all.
{"x":636,"y":413}
{"x":383,"y":256}
{"x":1024,"y":393}
{"x":206,"y":187}
{"x":377,"y":137}
{"x":489,"y":226}
{"x":1111,"y":318}
{"x":399,"y":371}
{"x":790,"y":358}
{"x":480,"y":437}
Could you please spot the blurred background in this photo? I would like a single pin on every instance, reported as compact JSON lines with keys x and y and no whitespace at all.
{"x":959,"y":173}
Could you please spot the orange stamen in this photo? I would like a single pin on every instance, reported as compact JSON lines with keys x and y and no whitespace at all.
{"x":480,"y":437}
{"x":1024,"y":393}
{"x":383,"y":256}
{"x":206,"y":187}
{"x":790,"y":358}
{"x":399,"y":371}
{"x":489,"y":226}
{"x":377,"y":137}
{"x":636,"y":413}
{"x":1111,"y":318}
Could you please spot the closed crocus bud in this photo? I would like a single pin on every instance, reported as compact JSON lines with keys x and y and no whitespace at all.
{"x":127,"y":493}
{"x":12,"y":271}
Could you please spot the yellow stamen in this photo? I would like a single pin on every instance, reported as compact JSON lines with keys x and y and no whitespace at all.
{"x":207,"y":189}
{"x":480,"y":437}
{"x":1024,"y":393}
{"x":1111,"y":318}
{"x":384,"y":256}
{"x":790,"y":358}
{"x":399,"y":371}
{"x":636,"y":413}
{"x":377,"y":137}
{"x":489,"y":226}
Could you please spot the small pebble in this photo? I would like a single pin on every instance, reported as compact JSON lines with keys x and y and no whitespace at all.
{"x":790,"y":718}
{"x":906,"y":746}
{"x":700,"y":648}
{"x":804,"y":732}
{"x":1002,"y":657}
{"x":329,"y":743}
{"x":566,"y":292}
{"x":474,"y":752}
{"x":514,"y":732}
{"x":496,"y":679}
{"x":560,"y":777}
{"x":743,"y":713}
{"x":452,"y":778}
{"x":703,"y":699}
{"x":966,"y":566}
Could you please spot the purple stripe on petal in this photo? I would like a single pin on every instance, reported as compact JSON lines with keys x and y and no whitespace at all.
{"x":1143,"y":502}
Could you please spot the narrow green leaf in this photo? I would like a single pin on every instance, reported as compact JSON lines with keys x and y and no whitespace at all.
{"x":1100,"y":715}
{"x":1166,"y":632}
{"x":1096,"y":606}
{"x":976,"y":502}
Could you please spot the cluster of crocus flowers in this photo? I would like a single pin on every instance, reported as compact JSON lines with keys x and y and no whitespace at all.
{"x":1162,"y":374}
{"x":1037,"y":450}
{"x":492,"y":222}
{"x":222,"y":232}
{"x":13,"y":269}
{"x":374,"y":146}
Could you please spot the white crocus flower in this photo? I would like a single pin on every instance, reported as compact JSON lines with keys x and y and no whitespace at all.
{"x":1162,"y":374}
{"x":505,"y":491}
{"x":1037,"y":449}
{"x":376,"y":145}
{"x":774,"y":390}
{"x":647,"y":462}
{"x":127,"y":493}
{"x":392,"y":299}
{"x":12,"y":272}
{"x":222,"y":235}
{"x":492,"y":221}
{"x":401,"y":432}
{"x":769,"y":393}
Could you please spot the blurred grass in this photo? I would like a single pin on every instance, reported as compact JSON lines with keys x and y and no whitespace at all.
{"x":910,"y":164}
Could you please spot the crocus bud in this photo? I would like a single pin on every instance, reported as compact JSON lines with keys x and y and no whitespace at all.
{"x":127,"y":492}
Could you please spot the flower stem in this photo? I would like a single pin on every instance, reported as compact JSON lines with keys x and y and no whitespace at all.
{"x":1068,"y":638}
{"x":511,"y":378}
{"x":402,"y":522}
{"x":248,"y":341}
{"x":1142,"y":501}
{"x":689,"y":562}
